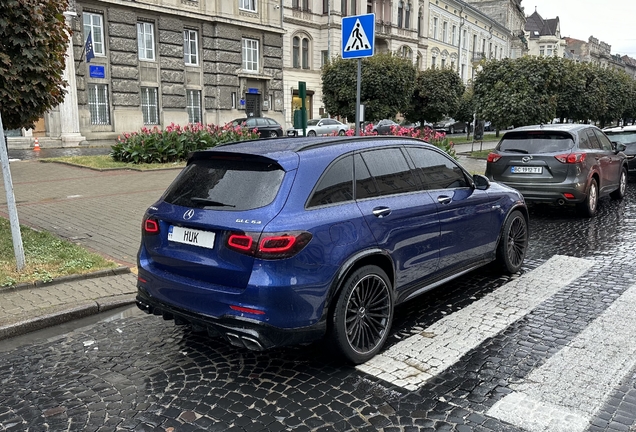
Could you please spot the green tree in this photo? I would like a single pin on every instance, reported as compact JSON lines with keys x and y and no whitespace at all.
{"x":33,"y":38}
{"x":386,"y":86}
{"x":516,"y":92}
{"x":438,"y":93}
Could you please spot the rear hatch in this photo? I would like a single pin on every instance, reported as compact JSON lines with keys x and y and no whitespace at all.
{"x":217,"y":196}
{"x":529,"y":157}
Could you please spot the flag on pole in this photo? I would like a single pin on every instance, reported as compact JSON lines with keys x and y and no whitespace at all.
{"x":88,"y":47}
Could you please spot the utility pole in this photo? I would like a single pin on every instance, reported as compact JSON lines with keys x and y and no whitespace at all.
{"x":18,"y":249}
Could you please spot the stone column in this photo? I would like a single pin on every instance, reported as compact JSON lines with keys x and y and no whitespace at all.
{"x":69,"y":115}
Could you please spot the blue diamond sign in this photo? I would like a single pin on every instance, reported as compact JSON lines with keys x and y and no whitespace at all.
{"x":358,"y":36}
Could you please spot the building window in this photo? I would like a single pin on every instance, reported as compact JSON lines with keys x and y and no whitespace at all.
{"x":146,"y":41}
{"x":463,"y":72}
{"x":445,"y":32}
{"x":541,"y":50}
{"x":300,"y":4}
{"x":354,"y":7}
{"x":407,"y":53}
{"x":325,"y":6}
{"x":548,"y":50}
{"x":465,"y":39}
{"x":399,"y":14}
{"x":93,"y":24}
{"x":248,"y":5}
{"x":419,"y":23}
{"x":98,"y":104}
{"x":193,"y":105}
{"x":343,"y":7}
{"x":296,"y":53}
{"x":149,"y":106}
{"x":233,"y":100}
{"x":250,"y":55}
{"x":407,"y":16}
{"x":454,"y":35}
{"x":435,"y":28}
{"x":324,"y":55}
{"x":190,"y":47}
{"x":433,"y":62}
{"x":369,"y":6}
{"x":305,"y":53}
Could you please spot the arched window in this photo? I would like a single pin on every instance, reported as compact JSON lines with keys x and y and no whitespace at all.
{"x":407,"y":52}
{"x":305,"y":53}
{"x":399,"y":14}
{"x":296,"y":52}
{"x":407,"y":16}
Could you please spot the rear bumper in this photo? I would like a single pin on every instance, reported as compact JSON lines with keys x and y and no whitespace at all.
{"x":551,"y":193}
{"x":242,"y":332}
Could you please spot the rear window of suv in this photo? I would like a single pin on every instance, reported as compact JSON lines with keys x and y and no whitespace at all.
{"x":222,"y":184}
{"x":623,"y":137}
{"x":533,"y":142}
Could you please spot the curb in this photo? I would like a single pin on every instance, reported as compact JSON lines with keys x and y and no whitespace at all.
{"x":65,"y":313}
{"x":69,"y":278}
{"x":111,"y":169}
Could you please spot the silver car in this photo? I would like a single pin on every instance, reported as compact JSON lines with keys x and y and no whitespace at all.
{"x":318,"y":127}
{"x":561,"y":164}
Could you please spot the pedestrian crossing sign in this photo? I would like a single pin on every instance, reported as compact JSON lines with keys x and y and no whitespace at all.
{"x":358,"y":36}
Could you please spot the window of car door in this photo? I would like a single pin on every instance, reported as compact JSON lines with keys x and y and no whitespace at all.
{"x":384,"y":172}
{"x":606,"y":144}
{"x":436,"y":171}
{"x":593,"y":139}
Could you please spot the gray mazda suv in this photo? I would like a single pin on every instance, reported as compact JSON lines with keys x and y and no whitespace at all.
{"x":560,"y":164}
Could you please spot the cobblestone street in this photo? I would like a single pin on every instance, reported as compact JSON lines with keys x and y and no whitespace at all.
{"x":550,"y":349}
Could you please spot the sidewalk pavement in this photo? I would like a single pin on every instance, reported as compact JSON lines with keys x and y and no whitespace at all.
{"x":102,"y":211}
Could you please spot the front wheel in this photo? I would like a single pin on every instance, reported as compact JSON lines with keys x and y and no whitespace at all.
{"x":513,"y":243}
{"x":622,"y":186}
{"x":311,"y":133}
{"x":342,"y":132}
{"x":588,"y":207}
{"x":363,"y":314}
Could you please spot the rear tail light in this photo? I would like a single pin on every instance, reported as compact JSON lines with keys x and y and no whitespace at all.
{"x":269,"y":245}
{"x":151,"y":226}
{"x":493,"y":157}
{"x":571,"y":158}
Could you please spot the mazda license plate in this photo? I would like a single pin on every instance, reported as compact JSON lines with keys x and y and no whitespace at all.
{"x":526,"y":170}
{"x":191,"y":236}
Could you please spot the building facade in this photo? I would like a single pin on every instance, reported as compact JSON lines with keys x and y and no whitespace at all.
{"x":544,"y":37}
{"x":170,"y":61}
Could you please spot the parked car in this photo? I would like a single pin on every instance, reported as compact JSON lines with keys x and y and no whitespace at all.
{"x":562,"y":164}
{"x":384,"y":127}
{"x":625,"y":135}
{"x":265,"y":126}
{"x":291,"y":240}
{"x":325,"y":126}
{"x":450,"y":126}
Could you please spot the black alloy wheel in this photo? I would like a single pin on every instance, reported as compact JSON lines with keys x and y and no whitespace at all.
{"x":363,"y":314}
{"x":513,"y":243}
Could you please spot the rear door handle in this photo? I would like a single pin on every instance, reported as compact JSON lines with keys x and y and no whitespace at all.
{"x":443,"y":199}
{"x":380,"y":212}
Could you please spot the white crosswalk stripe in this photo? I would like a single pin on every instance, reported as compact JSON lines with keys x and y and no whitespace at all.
{"x":570,"y":388}
{"x":413,"y":361}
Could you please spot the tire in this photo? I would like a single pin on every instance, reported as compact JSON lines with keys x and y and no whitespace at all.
{"x":363,"y":314}
{"x":513,"y":243}
{"x":311,"y":133}
{"x":619,"y":193}
{"x":273,"y":134}
{"x":342,"y":132}
{"x":588,"y":207}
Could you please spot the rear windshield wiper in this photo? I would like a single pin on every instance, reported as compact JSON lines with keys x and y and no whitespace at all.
{"x":210,"y":202}
{"x":515,"y":150}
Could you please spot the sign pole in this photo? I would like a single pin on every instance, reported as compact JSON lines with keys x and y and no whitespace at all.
{"x":358,"y":97}
{"x":16,"y":235}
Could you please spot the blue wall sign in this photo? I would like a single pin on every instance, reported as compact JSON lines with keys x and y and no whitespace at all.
{"x":96,"y":71}
{"x":253,"y":90}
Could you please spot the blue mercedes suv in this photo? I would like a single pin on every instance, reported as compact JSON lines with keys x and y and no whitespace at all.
{"x":286,"y":241}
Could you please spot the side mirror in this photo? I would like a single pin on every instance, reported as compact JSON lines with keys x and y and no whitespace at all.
{"x":619,"y":147}
{"x":481,"y":182}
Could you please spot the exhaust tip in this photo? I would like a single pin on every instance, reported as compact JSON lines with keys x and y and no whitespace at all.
{"x":561,"y":201}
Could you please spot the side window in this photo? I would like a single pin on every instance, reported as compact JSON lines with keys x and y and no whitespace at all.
{"x":250,"y":122}
{"x":335,"y":185}
{"x":584,"y":141}
{"x":436,"y":170}
{"x":365,"y":185}
{"x":261,"y":122}
{"x":391,"y":171}
{"x":594,"y":144}
{"x":606,"y":144}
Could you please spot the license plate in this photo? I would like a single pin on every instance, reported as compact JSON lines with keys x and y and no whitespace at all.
{"x":526,"y":170}
{"x":191,"y":236}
